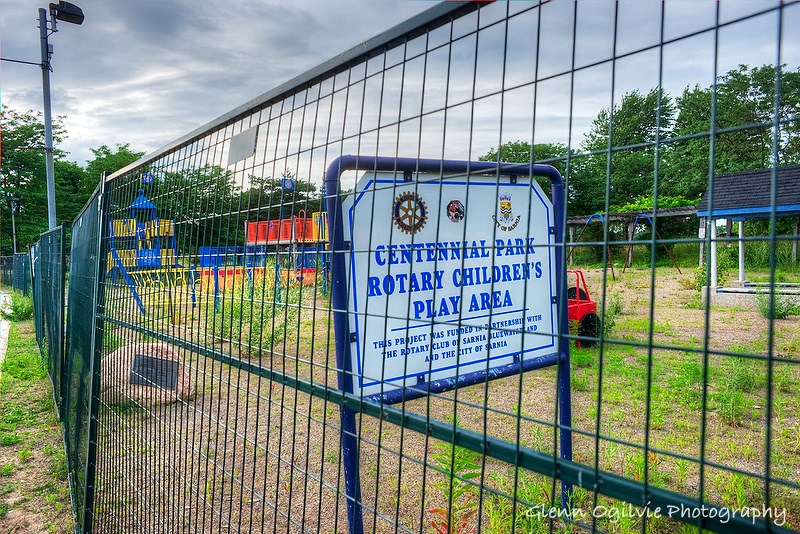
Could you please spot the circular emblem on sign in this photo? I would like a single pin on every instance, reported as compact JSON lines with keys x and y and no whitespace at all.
{"x":455,"y":210}
{"x":409,"y":212}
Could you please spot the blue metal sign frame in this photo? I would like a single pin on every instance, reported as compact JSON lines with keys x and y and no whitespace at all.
{"x":339,"y":302}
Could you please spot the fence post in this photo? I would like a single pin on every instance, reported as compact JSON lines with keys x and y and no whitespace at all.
{"x":63,"y":338}
{"x":96,"y":351}
{"x":349,"y":440}
{"x":564,"y":391}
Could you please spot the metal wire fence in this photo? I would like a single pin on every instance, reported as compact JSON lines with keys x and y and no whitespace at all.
{"x":80,"y":376}
{"x":7,"y":269}
{"x":49,"y":292}
{"x":345,"y":305}
{"x":22,"y":274}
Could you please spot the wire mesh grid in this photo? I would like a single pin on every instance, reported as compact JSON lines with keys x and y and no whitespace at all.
{"x":222,"y":403}
{"x":49,"y":266}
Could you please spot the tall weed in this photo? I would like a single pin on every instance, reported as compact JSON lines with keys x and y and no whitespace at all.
{"x":21,"y":308}
{"x":254,"y":316}
{"x":460,"y":465}
{"x":782,"y":307}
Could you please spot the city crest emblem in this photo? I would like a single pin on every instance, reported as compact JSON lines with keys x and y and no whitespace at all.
{"x":506,"y":220}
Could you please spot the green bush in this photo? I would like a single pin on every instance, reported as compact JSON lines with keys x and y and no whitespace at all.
{"x":784,"y":305}
{"x":725,"y":264}
{"x":614,"y":307}
{"x":21,"y":308}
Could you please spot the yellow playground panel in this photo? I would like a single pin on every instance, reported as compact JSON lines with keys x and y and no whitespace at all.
{"x":229,"y":278}
{"x":167,"y":291}
{"x":165,"y":277}
{"x":235,"y":278}
{"x":129,"y":259}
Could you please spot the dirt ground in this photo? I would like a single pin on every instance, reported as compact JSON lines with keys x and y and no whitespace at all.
{"x":247,"y":451}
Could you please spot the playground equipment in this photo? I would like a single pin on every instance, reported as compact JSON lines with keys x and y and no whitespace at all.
{"x":144,"y":252}
{"x":224,"y":268}
{"x":296,"y":230}
{"x":581,"y":309}
{"x":608,"y":247}
{"x":142,"y":241}
{"x":297,"y":247}
{"x":625,"y":218}
{"x":629,"y":255}
{"x":304,"y":240}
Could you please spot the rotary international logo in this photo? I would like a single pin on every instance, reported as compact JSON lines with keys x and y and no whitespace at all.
{"x":409,"y":212}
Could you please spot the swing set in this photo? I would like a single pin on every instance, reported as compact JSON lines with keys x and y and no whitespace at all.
{"x":629,"y":254}
{"x":602,"y":219}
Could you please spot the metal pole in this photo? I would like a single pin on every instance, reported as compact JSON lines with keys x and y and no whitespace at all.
{"x":14,"y":225}
{"x":339,"y":302}
{"x":563,"y":379}
{"x":741,"y":251}
{"x":713,"y":263}
{"x":48,"y":124}
{"x":701,"y":235}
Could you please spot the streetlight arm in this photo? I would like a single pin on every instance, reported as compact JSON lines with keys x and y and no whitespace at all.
{"x":20,"y":61}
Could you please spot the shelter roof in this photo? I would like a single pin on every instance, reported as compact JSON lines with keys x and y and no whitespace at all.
{"x":748,"y":195}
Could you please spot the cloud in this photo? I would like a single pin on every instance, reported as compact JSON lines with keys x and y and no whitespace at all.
{"x":149,"y":71}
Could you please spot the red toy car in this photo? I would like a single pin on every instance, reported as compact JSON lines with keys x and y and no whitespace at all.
{"x":582,"y":310}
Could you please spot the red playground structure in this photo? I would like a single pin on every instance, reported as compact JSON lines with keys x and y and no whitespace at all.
{"x":582,"y":310}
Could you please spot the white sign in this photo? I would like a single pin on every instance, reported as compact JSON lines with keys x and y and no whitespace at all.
{"x":447,"y":275}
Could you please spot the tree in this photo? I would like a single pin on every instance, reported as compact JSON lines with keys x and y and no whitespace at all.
{"x":23,"y":175}
{"x":554,"y":154}
{"x":106,"y":161}
{"x":202,"y":201}
{"x":633,"y":125}
{"x":745,"y":107}
{"x":69,"y":199}
{"x":262,"y":201}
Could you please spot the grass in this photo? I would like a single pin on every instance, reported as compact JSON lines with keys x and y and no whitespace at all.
{"x":734,"y":393}
{"x":34,"y":493}
{"x":21,"y":308}
{"x":258,"y":316}
{"x":687,"y":369}
{"x":780,"y":306}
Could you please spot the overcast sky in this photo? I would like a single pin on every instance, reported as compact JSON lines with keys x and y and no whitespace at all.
{"x":146,"y":72}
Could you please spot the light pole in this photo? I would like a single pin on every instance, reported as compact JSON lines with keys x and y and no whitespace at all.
{"x":14,"y":202}
{"x":68,"y":13}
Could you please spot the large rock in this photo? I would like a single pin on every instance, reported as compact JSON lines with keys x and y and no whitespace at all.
{"x":147,"y":374}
